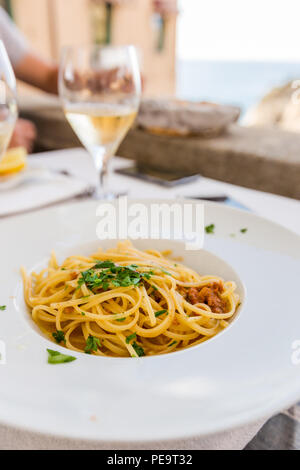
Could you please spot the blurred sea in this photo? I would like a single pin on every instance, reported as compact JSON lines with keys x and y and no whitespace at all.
{"x":238,"y":83}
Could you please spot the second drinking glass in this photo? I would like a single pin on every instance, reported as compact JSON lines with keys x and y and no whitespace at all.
{"x":100,"y":89}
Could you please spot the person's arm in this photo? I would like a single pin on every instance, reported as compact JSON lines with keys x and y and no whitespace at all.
{"x":27,"y":65}
{"x":165,"y":7}
{"x":37,"y":72}
{"x":24,"y":135}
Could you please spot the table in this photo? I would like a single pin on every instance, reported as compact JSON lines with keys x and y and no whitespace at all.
{"x":279,"y":209}
{"x":283,"y":430}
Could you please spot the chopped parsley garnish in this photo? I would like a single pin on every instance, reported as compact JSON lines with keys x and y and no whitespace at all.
{"x":130,"y":337}
{"x":59,"y":336}
{"x":106,"y":274}
{"x":92,"y":344}
{"x":55,"y":357}
{"x":3,"y":307}
{"x":172,"y":344}
{"x":121,"y":319}
{"x":160,"y":312}
{"x":104,"y":264}
{"x":148,"y":274}
{"x":243,"y":230}
{"x":210,"y":228}
{"x":166,"y":272}
{"x":83,"y":314}
{"x":138,"y":349}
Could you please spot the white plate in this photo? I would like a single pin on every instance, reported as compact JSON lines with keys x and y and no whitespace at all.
{"x":30,"y":174}
{"x":244,"y":374}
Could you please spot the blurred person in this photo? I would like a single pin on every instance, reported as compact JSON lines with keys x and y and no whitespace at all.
{"x":31,"y":69}
{"x":24,"y":135}
{"x":164,"y":7}
{"x":38,"y":72}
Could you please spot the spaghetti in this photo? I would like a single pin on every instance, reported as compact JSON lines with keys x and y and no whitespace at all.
{"x":125,"y":302}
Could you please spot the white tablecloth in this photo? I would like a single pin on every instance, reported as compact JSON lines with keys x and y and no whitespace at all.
{"x":276,"y":208}
{"x":280,"y":209}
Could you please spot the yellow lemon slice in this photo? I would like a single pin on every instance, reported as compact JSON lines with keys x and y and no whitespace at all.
{"x":13,"y":161}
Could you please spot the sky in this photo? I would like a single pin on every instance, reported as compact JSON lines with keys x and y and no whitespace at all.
{"x":259,"y":30}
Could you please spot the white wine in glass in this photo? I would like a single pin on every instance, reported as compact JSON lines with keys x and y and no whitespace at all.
{"x":101,"y":130}
{"x":8,"y":100}
{"x":100,"y":90}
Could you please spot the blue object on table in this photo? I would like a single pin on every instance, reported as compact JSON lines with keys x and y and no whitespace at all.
{"x":238,"y":205}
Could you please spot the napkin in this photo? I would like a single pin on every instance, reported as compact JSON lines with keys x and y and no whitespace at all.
{"x":236,"y":439}
{"x":37,"y":187}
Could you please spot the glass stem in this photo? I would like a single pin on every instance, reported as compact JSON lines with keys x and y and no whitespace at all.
{"x":103,"y":174}
{"x":101,"y":161}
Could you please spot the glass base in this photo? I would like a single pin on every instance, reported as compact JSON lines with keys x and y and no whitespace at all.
{"x":108,"y":195}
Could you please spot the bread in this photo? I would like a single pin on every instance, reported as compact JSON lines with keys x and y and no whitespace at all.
{"x":183,"y":118}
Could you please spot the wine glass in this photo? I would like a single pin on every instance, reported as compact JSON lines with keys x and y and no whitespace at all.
{"x":100,"y":89}
{"x":8,"y":100}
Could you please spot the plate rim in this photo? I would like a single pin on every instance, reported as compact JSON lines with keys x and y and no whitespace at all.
{"x":236,"y":421}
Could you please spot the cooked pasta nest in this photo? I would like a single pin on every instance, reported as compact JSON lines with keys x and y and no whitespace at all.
{"x":124,"y":302}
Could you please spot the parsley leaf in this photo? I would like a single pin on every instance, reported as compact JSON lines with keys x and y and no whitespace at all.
{"x":92,"y":344}
{"x":59,"y":336}
{"x":160,"y":312}
{"x":121,"y":319}
{"x":166,"y":272}
{"x":172,"y":344}
{"x":148,"y":275}
{"x":55,"y":357}
{"x":210,"y":228}
{"x":3,"y":307}
{"x":138,"y":349}
{"x":104,"y":264}
{"x":243,"y":230}
{"x":130,"y":337}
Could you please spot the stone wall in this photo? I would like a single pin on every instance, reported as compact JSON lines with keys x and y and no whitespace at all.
{"x":258,"y":158}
